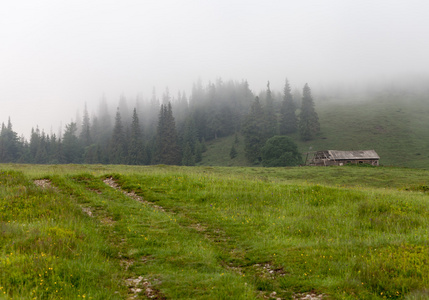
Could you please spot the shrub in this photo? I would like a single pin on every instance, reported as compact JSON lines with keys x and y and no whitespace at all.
{"x":280,"y":151}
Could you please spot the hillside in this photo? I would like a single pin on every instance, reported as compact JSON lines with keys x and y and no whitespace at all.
{"x":160,"y":232}
{"x":395,"y":126}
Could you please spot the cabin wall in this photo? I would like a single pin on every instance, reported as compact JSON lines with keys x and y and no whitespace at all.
{"x":327,"y":162}
{"x":373,"y":162}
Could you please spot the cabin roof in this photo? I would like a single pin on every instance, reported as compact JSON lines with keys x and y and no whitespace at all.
{"x":359,"y":154}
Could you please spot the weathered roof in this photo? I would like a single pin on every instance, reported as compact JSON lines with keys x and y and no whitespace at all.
{"x":359,"y":154}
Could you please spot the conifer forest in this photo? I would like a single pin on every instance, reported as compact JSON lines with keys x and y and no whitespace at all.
{"x":170,"y":130}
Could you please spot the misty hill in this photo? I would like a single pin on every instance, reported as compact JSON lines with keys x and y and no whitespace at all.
{"x":395,"y":125}
{"x":227,"y":124}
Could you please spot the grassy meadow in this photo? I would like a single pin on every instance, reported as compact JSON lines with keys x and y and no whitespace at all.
{"x":161,"y":232}
{"x":395,"y":125}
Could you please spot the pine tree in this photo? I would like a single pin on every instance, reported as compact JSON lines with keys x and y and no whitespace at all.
{"x":288,"y":119}
{"x":161,"y":142}
{"x":270,"y":118}
{"x":10,"y":147}
{"x":93,"y":154}
{"x":101,"y":129}
{"x":72,"y":150}
{"x":187,"y":158}
{"x":200,"y":117}
{"x":189,"y":134}
{"x":126,"y":115}
{"x":167,"y":146}
{"x":308,"y":119}
{"x":136,"y":151}
{"x":181,"y":107}
{"x":55,"y":150}
{"x":117,"y":141}
{"x":34,"y":144}
{"x":85,"y":136}
{"x":60,"y":151}
{"x":214,"y":123}
{"x":151,"y":148}
{"x":25,"y":156}
{"x":42,"y":156}
{"x":254,"y":133}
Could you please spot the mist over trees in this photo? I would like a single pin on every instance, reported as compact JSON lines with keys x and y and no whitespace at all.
{"x":308,"y":119}
{"x":170,"y":131}
{"x":288,"y":119}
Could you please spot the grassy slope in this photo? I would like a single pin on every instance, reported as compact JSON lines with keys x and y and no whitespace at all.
{"x":217,"y":153}
{"x":397,"y":127}
{"x":215,"y":233}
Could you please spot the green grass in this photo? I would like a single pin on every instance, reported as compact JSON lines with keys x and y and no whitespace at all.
{"x":218,"y":150}
{"x":214,"y":233}
{"x":49,"y":249}
{"x":395,"y":126}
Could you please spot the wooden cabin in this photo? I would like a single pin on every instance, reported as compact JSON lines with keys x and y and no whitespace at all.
{"x":340,"y":158}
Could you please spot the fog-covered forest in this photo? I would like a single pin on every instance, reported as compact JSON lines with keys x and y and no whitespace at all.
{"x":171,"y":129}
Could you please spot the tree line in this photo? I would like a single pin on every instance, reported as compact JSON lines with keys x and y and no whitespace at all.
{"x":170,"y":130}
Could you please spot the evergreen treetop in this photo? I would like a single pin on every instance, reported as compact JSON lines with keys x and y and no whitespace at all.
{"x":288,"y":119}
{"x":309,"y":120}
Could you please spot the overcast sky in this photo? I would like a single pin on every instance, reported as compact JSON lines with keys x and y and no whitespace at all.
{"x":57,"y":55}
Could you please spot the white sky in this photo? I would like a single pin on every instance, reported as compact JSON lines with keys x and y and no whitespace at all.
{"x":57,"y":55}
